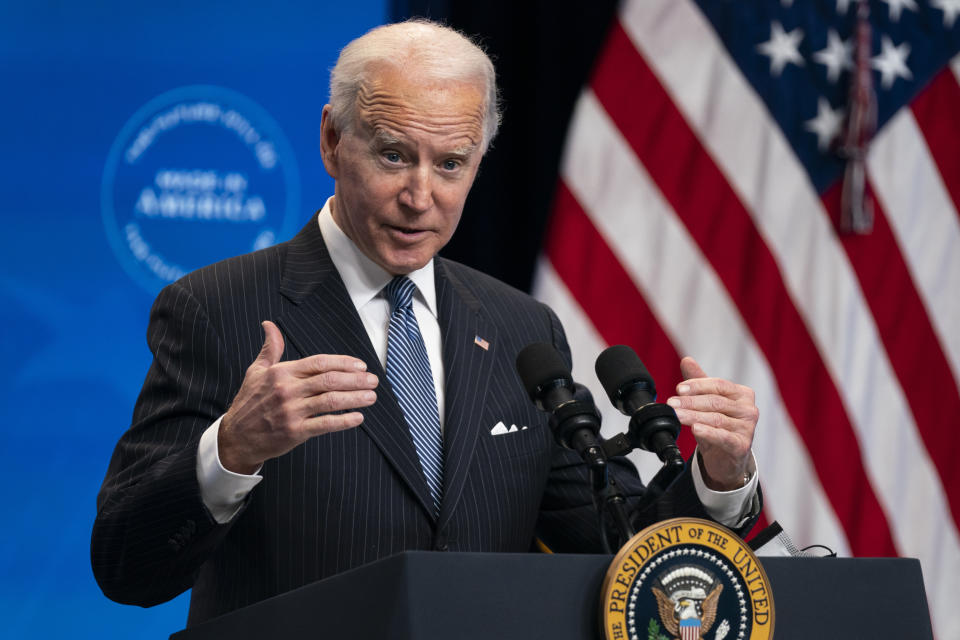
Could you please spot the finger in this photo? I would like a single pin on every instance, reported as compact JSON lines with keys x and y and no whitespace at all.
{"x":713,"y":403}
{"x":337,"y":381}
{"x":272,"y":348}
{"x":745,"y":425}
{"x":717,"y":386}
{"x":730,"y":443}
{"x":330,"y":422}
{"x":323,"y":362}
{"x":689,"y":368}
{"x":715,"y":420}
{"x":741,"y":428}
{"x":337,"y":401}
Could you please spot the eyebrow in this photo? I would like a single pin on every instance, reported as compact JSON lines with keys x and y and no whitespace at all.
{"x":465,"y":150}
{"x":382,"y":137}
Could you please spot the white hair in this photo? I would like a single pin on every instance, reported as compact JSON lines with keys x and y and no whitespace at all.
{"x":436,"y":52}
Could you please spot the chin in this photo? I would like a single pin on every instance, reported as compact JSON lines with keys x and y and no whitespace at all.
{"x":402,"y":267}
{"x":404,"y":264}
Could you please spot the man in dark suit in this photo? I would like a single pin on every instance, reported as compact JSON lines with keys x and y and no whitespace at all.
{"x":245,"y":480}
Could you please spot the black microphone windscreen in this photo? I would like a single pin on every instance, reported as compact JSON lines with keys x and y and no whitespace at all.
{"x":538,"y":363}
{"x":619,"y":365}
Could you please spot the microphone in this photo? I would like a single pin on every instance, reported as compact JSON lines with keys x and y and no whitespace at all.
{"x":575,"y":423}
{"x":653,"y":427}
{"x":574,"y":418}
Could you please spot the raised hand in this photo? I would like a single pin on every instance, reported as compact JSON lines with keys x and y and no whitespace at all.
{"x":723,"y":417}
{"x":282,"y":404}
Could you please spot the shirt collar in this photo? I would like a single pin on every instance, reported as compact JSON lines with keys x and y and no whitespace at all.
{"x":363,"y":277}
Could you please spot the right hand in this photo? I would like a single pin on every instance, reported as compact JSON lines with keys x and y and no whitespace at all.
{"x":282,"y":404}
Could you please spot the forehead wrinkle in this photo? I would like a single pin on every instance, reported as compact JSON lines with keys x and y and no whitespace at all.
{"x":386,"y":131}
{"x":377,"y":107}
{"x":412,"y":117}
{"x":399,"y":92}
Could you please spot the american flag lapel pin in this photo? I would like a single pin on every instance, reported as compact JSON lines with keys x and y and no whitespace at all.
{"x":480,"y":342}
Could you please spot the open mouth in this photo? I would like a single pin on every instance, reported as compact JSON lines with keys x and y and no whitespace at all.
{"x":407,"y":232}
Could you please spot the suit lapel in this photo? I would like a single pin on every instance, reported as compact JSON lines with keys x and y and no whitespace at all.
{"x":467,"y":369}
{"x":322,"y":319}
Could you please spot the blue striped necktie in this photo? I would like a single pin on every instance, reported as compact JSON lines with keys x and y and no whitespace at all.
{"x":408,"y":370}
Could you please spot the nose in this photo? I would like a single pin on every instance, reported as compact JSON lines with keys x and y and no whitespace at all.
{"x":417,"y":193}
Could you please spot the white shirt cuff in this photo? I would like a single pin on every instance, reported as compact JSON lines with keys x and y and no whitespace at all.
{"x":729,"y":508}
{"x":221,"y":490}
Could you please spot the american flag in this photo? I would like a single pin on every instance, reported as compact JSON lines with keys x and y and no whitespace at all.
{"x":699,"y":212}
{"x":690,"y":629}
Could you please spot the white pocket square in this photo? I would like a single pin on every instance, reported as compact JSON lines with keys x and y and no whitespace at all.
{"x":499,"y":429}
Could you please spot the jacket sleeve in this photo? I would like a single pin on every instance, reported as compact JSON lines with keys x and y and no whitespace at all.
{"x":152,"y":532}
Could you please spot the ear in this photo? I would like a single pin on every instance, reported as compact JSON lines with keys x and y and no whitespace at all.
{"x":329,"y":141}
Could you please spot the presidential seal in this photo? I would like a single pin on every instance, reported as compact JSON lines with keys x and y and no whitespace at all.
{"x":686,"y":579}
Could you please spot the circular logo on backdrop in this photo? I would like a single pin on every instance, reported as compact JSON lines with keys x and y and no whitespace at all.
{"x":198,"y":174}
{"x":686,"y":579}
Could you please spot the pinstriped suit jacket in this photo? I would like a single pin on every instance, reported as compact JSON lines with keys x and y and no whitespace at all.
{"x":347,"y":498}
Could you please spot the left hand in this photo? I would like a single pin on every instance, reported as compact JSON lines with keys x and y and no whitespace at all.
{"x":723,"y":417}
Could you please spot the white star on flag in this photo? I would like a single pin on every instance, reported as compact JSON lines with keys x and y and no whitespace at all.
{"x":782,"y":48}
{"x":837,"y":56}
{"x":950,"y":10}
{"x":897,"y":6}
{"x":892,"y":62}
{"x":826,"y":124}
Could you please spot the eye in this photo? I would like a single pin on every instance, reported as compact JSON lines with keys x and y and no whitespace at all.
{"x":391,"y":157}
{"x":450,"y":165}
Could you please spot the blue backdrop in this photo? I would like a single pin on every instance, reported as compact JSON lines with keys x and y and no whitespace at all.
{"x":139,"y":140}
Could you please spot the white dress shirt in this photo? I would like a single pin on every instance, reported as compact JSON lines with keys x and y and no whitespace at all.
{"x":223,"y":491}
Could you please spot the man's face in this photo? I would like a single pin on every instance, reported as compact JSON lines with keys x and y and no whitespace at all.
{"x":404,"y":169}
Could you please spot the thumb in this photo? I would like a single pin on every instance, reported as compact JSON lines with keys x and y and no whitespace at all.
{"x":690,"y":369}
{"x":272,"y":344}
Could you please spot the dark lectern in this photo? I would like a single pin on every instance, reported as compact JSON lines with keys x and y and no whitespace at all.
{"x":426,"y":596}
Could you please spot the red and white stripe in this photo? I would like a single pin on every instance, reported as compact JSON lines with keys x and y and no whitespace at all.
{"x":683,"y":224}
